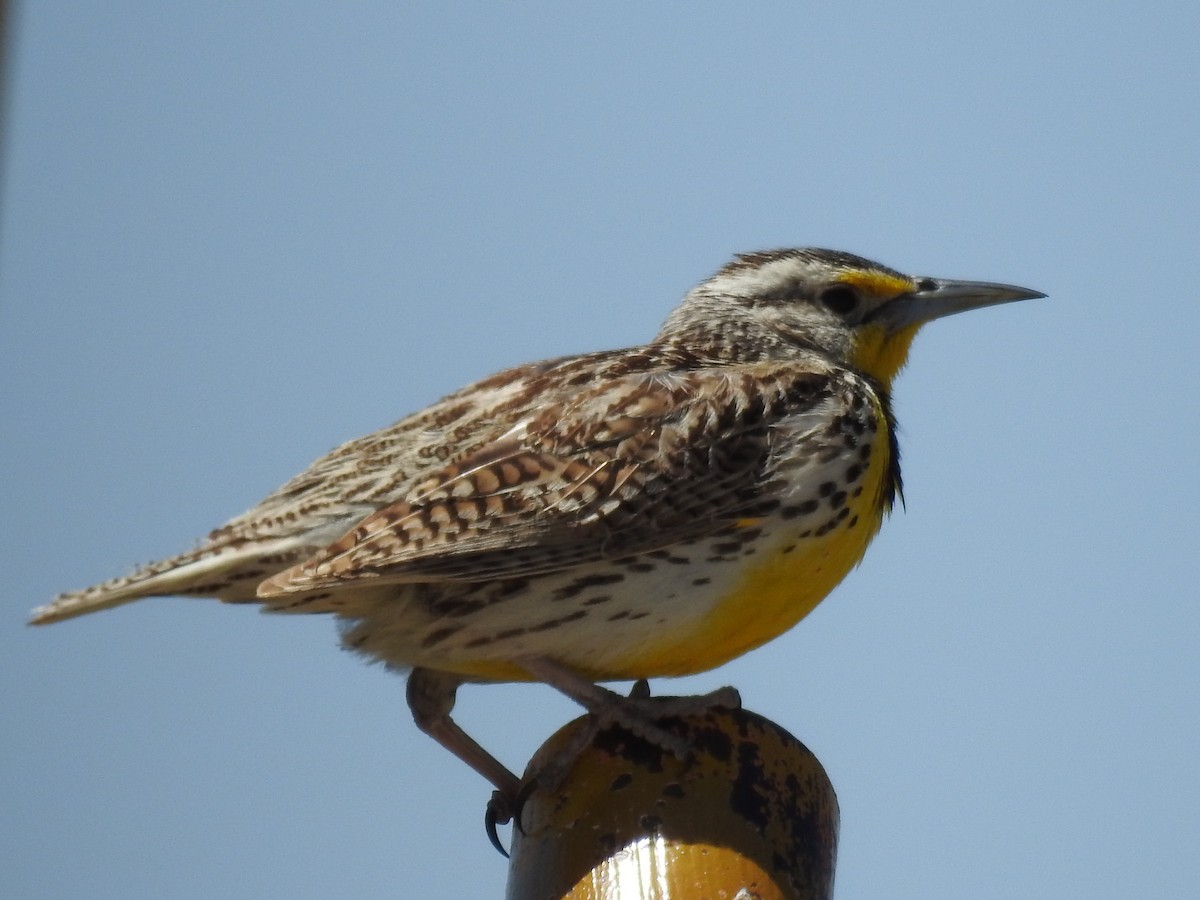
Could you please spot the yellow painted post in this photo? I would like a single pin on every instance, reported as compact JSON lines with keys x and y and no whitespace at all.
{"x":752,"y":816}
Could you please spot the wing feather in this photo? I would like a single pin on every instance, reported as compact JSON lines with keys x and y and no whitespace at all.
{"x":631,"y":465}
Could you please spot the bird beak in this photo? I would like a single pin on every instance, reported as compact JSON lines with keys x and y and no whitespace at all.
{"x":938,"y":297}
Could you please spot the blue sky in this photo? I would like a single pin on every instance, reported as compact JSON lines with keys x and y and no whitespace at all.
{"x":235,"y":235}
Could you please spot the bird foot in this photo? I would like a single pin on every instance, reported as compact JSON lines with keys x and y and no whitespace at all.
{"x":642,"y":715}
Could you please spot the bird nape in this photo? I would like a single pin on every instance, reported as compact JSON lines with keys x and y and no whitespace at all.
{"x":625,"y":514}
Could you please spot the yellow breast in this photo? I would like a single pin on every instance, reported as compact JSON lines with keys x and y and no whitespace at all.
{"x":795,"y":569}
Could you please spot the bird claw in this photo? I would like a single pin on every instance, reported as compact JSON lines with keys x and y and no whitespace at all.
{"x":499,"y":812}
{"x":502,"y":809}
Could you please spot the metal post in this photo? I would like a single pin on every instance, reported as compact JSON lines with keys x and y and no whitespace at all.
{"x":752,"y":816}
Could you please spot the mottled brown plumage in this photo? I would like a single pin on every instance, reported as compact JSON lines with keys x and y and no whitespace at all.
{"x":629,"y":465}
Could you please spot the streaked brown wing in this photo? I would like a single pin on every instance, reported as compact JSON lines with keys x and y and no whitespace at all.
{"x":631,"y":465}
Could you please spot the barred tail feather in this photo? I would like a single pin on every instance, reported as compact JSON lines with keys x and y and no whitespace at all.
{"x":210,"y":571}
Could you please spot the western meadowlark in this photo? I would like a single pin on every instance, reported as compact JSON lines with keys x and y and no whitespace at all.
{"x":626,"y":514}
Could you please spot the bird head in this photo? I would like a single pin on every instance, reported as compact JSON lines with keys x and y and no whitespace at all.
{"x":859,"y":313}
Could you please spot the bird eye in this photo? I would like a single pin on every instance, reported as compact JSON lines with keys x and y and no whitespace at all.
{"x":839,"y":299}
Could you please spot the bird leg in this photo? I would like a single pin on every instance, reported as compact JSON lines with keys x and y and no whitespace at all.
{"x":430,"y":698}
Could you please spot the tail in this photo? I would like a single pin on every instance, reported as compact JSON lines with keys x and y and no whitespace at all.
{"x":208,"y":571}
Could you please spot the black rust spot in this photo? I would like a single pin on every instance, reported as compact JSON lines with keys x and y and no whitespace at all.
{"x":713,"y":742}
{"x":621,"y":782}
{"x":747,"y":798}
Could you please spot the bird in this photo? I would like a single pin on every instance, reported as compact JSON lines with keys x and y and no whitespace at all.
{"x":646,"y":512}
